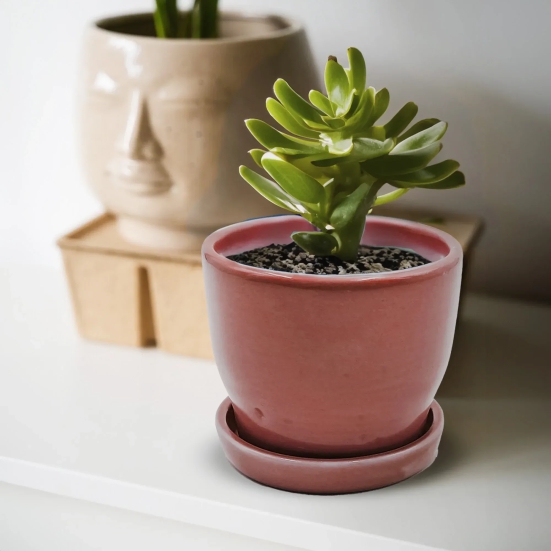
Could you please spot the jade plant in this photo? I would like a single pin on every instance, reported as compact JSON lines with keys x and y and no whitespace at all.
{"x":200,"y":22}
{"x":335,"y":158}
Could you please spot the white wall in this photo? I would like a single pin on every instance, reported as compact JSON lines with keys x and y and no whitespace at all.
{"x":481,"y":65}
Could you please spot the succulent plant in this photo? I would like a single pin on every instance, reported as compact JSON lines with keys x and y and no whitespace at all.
{"x":334,"y":160}
{"x":200,"y":22}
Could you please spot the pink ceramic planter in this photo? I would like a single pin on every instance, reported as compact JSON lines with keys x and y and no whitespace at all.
{"x":331,"y":366}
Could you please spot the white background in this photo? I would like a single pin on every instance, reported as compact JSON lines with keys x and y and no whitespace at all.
{"x":482,"y":65}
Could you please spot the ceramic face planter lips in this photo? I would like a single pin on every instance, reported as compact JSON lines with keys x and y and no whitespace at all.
{"x":161,"y":121}
{"x":331,"y":367}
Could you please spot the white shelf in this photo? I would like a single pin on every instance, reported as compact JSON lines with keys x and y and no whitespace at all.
{"x":134,"y":429}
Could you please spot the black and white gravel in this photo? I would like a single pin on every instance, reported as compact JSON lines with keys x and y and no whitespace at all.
{"x":291,"y":258}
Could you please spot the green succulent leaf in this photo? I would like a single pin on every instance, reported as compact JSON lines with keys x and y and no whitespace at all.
{"x":354,"y":105}
{"x":381,"y":102}
{"x":278,"y":142}
{"x":331,"y":160}
{"x":323,"y":103}
{"x":363,"y":112}
{"x":316,"y":243}
{"x":340,"y":147}
{"x":422,"y":139}
{"x":457,"y":179}
{"x":417,"y":127}
{"x":388,"y":197}
{"x":374,"y":133}
{"x":296,"y":105}
{"x":294,"y":181}
{"x":428,"y":175}
{"x":347,"y":108}
{"x":348,"y":208}
{"x":403,"y":163}
{"x":270,"y":190}
{"x":357,"y":73}
{"x":338,"y":87}
{"x":335,"y":124}
{"x":366,"y":148}
{"x":287,"y":121}
{"x":362,"y":150}
{"x":257,"y":154}
{"x":397,"y":124}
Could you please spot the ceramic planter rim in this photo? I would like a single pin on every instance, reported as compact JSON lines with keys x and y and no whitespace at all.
{"x":292,"y":26}
{"x":433,"y":269}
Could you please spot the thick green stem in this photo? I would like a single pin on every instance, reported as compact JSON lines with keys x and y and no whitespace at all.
{"x":350,"y":236}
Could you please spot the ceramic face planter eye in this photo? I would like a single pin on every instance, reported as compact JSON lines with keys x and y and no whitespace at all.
{"x":161,"y":122}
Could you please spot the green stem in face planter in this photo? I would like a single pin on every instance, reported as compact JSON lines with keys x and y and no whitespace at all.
{"x":200,"y":22}
{"x":334,"y":159}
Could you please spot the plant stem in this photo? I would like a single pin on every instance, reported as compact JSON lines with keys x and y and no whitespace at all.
{"x":200,"y":22}
{"x":208,"y":18}
{"x":166,"y":18}
{"x":349,"y":237}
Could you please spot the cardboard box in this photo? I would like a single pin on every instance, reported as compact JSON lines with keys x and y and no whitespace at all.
{"x":129,"y":295}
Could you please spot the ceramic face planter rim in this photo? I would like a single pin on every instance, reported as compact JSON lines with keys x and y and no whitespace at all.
{"x":288,"y":27}
{"x":214,"y":242}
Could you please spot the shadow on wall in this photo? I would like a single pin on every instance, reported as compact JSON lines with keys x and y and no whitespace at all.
{"x":504,"y":150}
{"x":475,"y":67}
{"x":493,"y":342}
{"x":492,"y":414}
{"x":485,"y":364}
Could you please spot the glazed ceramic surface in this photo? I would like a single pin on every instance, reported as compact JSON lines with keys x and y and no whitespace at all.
{"x":161,"y":121}
{"x":329,"y":476}
{"x":331,"y":366}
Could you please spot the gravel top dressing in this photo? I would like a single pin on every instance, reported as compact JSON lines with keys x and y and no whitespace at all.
{"x":291,"y":258}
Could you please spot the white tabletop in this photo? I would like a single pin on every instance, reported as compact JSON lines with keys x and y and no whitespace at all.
{"x":134,"y":429}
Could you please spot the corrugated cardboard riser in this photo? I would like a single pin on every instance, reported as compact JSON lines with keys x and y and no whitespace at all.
{"x":136,"y":299}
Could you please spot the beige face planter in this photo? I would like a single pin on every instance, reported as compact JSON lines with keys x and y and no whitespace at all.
{"x":161,"y":121}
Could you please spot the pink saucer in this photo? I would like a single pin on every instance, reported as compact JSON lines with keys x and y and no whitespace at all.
{"x":329,"y":476}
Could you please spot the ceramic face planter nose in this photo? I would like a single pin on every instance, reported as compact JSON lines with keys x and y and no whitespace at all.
{"x":161,"y":121}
